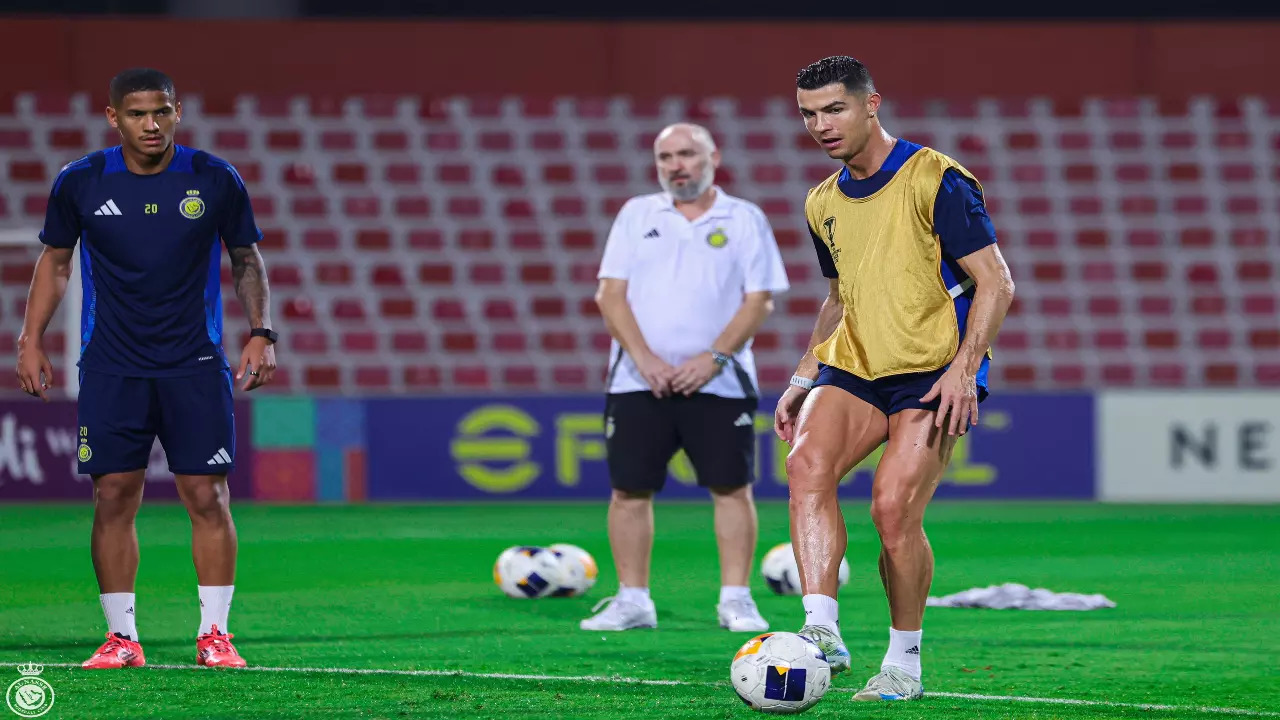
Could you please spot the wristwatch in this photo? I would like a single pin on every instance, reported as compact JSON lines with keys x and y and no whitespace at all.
{"x":270,"y":335}
{"x":720,"y":358}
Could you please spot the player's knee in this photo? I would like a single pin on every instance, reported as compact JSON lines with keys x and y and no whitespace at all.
{"x":894,"y":519}
{"x":810,"y":471}
{"x":208,"y":501}
{"x":116,"y":498}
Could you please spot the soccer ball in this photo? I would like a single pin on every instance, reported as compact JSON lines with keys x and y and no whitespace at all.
{"x":578,"y":570}
{"x":780,"y":673}
{"x":525,"y":571}
{"x":783,"y":574}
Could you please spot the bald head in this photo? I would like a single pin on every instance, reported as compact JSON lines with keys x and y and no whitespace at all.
{"x":687,"y":159}
{"x":686,"y":132}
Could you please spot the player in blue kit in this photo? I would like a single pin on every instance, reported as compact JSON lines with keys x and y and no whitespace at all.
{"x":147,"y":216}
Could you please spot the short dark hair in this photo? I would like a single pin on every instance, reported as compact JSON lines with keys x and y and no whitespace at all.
{"x":138,"y":80}
{"x":836,"y":69}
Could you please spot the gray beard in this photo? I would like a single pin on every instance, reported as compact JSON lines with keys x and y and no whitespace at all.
{"x":690,"y":191}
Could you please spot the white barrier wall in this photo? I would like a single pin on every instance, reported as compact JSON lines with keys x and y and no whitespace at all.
{"x":1188,"y":447}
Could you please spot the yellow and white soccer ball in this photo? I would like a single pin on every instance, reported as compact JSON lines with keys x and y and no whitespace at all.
{"x":783,"y":574}
{"x":578,"y":570}
{"x":527,"y":571}
{"x":781,"y":673}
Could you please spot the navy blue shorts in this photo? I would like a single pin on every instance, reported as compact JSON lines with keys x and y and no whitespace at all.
{"x":894,"y":393}
{"x":120,"y":418}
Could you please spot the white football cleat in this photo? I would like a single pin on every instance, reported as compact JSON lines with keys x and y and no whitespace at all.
{"x":741,"y":615}
{"x":621,"y":615}
{"x":891,"y":683}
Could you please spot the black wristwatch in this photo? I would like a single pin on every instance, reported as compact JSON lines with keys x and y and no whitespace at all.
{"x":270,"y":335}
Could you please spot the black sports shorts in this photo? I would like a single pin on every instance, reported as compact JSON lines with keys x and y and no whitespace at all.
{"x":643,"y":433}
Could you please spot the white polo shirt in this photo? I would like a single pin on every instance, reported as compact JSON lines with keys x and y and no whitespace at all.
{"x":686,"y":280}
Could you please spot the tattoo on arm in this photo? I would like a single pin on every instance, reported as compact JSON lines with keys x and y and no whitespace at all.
{"x":250,"y":276}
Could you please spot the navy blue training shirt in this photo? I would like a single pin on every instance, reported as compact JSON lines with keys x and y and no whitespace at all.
{"x":150,"y":258}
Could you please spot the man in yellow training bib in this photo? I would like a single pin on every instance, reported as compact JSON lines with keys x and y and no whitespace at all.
{"x":900,"y":353}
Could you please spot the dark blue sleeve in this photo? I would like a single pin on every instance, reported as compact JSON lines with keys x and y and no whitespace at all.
{"x":237,"y":228}
{"x":61,"y":218}
{"x":824,"y":256}
{"x":960,"y":218}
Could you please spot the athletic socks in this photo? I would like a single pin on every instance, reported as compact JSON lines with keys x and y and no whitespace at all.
{"x":904,"y":651}
{"x":215,"y":605}
{"x":729,"y":593}
{"x":635,"y":596}
{"x":121,"y":619}
{"x":822,"y":610}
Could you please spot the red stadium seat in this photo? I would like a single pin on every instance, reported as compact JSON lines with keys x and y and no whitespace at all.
{"x":547,"y":141}
{"x":471,"y":377}
{"x":1168,"y":374}
{"x":418,"y":377}
{"x":409,"y":341}
{"x":460,"y":342}
{"x":377,"y":377}
{"x":499,"y":309}
{"x":348,"y":309}
{"x":1118,"y":374}
{"x":322,"y":377}
{"x":520,"y":377}
{"x":14,"y":139}
{"x":362,"y":341}
{"x":308,"y":341}
{"x":510,"y":341}
{"x":448,"y":310}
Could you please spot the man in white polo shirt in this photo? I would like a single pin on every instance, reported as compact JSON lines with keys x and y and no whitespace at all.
{"x":688,"y":276}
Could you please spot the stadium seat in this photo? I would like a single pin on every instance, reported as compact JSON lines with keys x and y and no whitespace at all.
{"x":403,"y":238}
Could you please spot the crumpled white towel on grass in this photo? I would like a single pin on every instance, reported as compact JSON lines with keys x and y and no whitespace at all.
{"x":1012,"y":596}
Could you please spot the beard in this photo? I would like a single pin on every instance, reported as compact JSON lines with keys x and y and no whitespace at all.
{"x":691,"y":190}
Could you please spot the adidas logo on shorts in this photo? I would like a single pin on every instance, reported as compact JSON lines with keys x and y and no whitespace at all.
{"x":220,"y":458}
{"x":743,"y":419}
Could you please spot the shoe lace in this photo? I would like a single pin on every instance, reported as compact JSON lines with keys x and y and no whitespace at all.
{"x":220,"y":642}
{"x":820,"y":636}
{"x":112,"y":645}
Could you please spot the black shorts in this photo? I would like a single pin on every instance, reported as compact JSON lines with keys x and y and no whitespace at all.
{"x":894,"y":393}
{"x":642,"y":434}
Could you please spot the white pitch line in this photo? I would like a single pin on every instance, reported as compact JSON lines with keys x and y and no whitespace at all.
{"x":641,"y":681}
{"x":1106,"y":703}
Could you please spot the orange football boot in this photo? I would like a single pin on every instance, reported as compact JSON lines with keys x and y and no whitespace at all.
{"x":214,"y":649}
{"x":117,"y":652}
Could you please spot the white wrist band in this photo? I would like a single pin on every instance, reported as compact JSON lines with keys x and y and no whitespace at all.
{"x":802,"y":382}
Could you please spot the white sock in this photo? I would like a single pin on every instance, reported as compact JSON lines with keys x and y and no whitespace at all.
{"x":121,"y":619}
{"x":822,"y":610}
{"x":904,"y":651}
{"x":215,"y":605}
{"x":734,"y":592}
{"x":635,"y":595}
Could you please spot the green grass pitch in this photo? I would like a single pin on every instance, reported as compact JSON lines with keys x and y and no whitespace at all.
{"x":409,"y":587}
